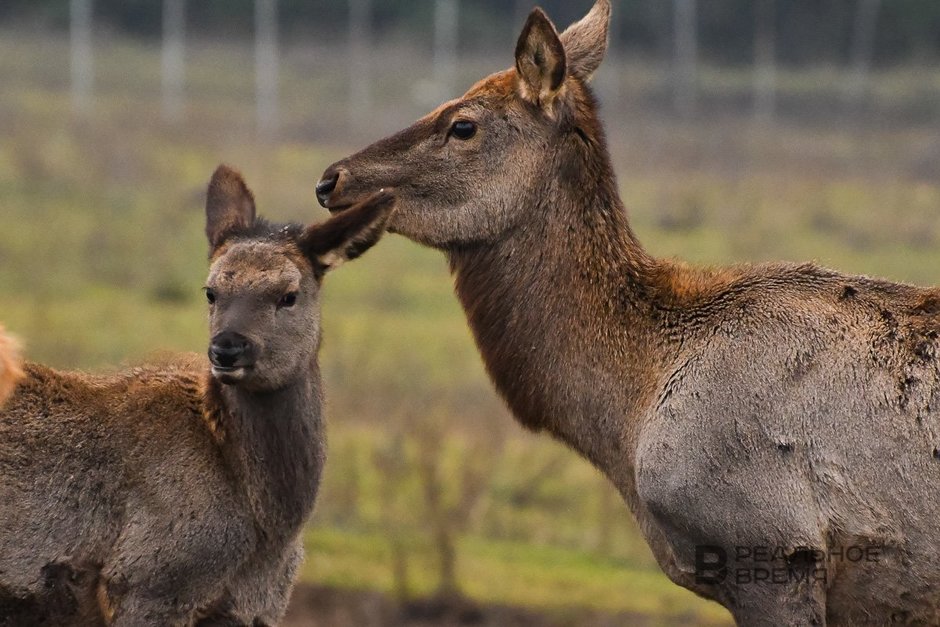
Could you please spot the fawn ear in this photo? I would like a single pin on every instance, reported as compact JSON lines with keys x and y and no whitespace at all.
{"x":585,"y":41}
{"x":349,"y":234}
{"x":230,"y":205}
{"x":540,"y":60}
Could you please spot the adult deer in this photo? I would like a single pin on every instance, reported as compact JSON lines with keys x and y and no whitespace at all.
{"x":176,"y":495}
{"x":10,"y":369}
{"x":774,"y":428}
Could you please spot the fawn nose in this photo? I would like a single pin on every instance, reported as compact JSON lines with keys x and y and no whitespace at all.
{"x":229,"y":350}
{"x":327,"y":185}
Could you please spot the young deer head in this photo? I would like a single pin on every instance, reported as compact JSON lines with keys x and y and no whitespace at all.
{"x":475,"y":167}
{"x":264,"y":282}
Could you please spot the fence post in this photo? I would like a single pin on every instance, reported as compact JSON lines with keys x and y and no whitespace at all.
{"x":446,"y":22}
{"x":686,"y":53}
{"x":81,"y":56}
{"x":360,"y":39}
{"x":266,"y":65}
{"x":765,"y":61}
{"x":521,"y":12}
{"x":863,"y":49}
{"x":173,"y":58}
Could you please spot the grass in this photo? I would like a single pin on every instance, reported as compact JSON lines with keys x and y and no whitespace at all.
{"x":102,"y":259}
{"x":527,"y":575}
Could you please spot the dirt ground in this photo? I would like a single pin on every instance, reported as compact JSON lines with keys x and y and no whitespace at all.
{"x":318,"y":606}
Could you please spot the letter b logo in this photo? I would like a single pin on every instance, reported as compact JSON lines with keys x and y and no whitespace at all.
{"x":711,"y":564}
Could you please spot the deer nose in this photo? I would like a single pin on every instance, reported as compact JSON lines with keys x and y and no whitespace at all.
{"x":230,"y":350}
{"x":327,"y":185}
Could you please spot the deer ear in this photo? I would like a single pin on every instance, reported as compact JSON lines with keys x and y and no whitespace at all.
{"x":540,"y":59}
{"x":351,"y":233}
{"x":229,"y":205}
{"x":585,"y":41}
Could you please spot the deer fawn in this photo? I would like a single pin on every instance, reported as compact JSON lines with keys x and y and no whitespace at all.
{"x":176,"y":495}
{"x":774,"y":428}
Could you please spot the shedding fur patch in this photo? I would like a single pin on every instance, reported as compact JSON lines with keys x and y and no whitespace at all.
{"x":104,"y":603}
{"x":212,"y":409}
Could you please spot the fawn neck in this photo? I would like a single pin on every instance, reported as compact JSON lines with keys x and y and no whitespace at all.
{"x":273,"y":442}
{"x":560,"y":311}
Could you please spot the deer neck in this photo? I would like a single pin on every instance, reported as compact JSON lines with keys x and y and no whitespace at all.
{"x":273,"y":443}
{"x":560,"y":312}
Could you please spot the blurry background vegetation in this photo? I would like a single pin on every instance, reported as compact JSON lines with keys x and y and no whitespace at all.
{"x":741,"y":130}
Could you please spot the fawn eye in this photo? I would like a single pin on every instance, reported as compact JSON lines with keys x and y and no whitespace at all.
{"x":210,"y":296}
{"x":287,"y":300}
{"x":463,"y":129}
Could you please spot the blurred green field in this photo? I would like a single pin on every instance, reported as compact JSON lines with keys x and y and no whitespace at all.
{"x":102,"y":259}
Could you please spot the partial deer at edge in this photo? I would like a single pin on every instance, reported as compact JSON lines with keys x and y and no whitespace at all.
{"x":784,"y":417}
{"x":10,"y":368}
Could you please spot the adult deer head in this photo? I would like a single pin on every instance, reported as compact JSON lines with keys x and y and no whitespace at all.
{"x":505,"y":153}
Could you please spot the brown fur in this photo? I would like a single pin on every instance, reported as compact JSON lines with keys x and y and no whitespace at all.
{"x":777,"y":406}
{"x":175,"y":494}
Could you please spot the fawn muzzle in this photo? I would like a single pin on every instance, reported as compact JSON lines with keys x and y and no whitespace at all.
{"x":230,"y":352}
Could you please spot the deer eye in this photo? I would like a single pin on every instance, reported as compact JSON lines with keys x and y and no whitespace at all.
{"x":463,"y":129}
{"x":287,"y":300}
{"x":210,"y":296}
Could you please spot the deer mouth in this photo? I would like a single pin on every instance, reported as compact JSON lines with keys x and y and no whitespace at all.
{"x":230,"y":375}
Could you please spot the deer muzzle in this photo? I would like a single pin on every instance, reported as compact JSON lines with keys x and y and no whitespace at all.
{"x":330,"y":188}
{"x":231,"y":355}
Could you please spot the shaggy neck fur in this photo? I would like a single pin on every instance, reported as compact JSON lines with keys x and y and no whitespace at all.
{"x":562,"y":306}
{"x":273,"y":443}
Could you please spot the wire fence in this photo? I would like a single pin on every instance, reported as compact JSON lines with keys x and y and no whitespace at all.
{"x":685,"y":89}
